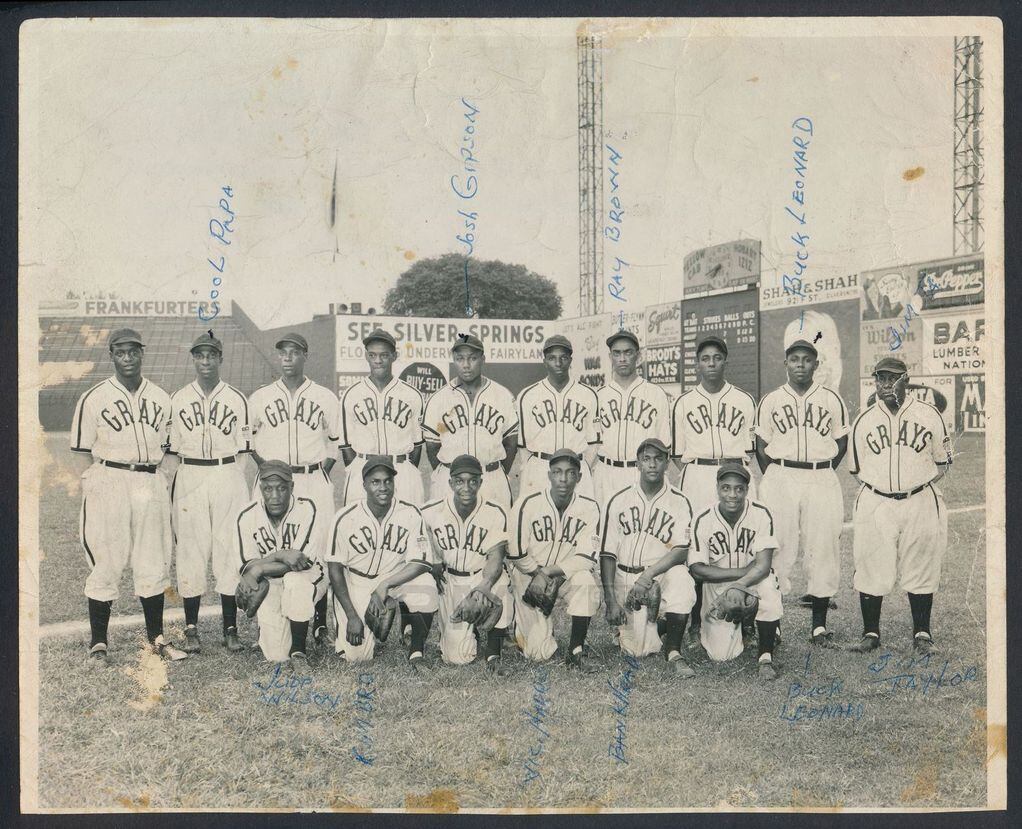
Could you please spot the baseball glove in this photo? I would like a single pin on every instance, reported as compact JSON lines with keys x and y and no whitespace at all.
{"x":735,"y":604}
{"x":542,"y":591}
{"x":379,"y":616}
{"x":649,"y":597}
{"x":479,"y":608}
{"x":249,"y":600}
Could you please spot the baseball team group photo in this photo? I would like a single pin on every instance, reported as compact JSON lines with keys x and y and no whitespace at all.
{"x":396,"y":498}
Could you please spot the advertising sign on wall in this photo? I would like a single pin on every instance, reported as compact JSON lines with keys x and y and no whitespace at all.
{"x":730,"y":265}
{"x":971,"y":391}
{"x":951,"y":283}
{"x":953,"y":343}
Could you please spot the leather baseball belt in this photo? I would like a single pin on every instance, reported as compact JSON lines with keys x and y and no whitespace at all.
{"x":715,"y":461}
{"x":632,"y":570}
{"x":618,"y":464}
{"x":208,"y":461}
{"x":490,"y":467}
{"x":897,"y":496}
{"x":312,"y":467}
{"x":391,"y":458}
{"x":803,"y":464}
{"x":131,"y":467}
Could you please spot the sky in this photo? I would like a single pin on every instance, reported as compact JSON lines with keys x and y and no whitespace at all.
{"x":131,"y":130}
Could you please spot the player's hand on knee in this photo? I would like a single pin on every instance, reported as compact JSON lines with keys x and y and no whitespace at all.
{"x":615,"y":614}
{"x":355,"y":631}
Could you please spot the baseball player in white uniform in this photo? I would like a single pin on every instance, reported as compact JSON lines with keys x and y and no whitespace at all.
{"x":209,"y":435}
{"x":801,"y":436}
{"x":381,"y":415}
{"x":733,"y":542}
{"x":469,"y":540}
{"x":900,"y":449}
{"x":629,"y":409}
{"x":556,"y":413}
{"x":556,"y":530}
{"x":123,"y":423}
{"x":645,"y":536}
{"x":379,"y":545}
{"x":295,"y":420}
{"x":472,"y":415}
{"x":710,"y":423}
{"x":280,"y":538}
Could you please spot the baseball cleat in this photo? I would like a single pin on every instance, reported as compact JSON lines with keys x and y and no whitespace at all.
{"x":692,"y":638}
{"x":298,"y":662}
{"x":98,"y":653}
{"x":319,"y":636}
{"x":923,"y":644}
{"x":192,"y":643}
{"x":167,"y":651}
{"x":823,"y":637}
{"x":416,"y":661}
{"x":767,"y":671}
{"x":574,"y":661}
{"x":681,"y":667}
{"x":865,"y":645}
{"x":232,"y":642}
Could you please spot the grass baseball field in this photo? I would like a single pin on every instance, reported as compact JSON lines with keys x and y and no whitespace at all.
{"x":215,"y":731}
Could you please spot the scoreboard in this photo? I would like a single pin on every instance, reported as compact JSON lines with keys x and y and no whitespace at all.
{"x":734,"y":317}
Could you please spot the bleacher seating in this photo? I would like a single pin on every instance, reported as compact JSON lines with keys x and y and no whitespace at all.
{"x":74,"y":356}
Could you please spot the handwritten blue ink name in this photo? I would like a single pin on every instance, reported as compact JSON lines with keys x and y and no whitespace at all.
{"x":467,"y":190}
{"x":219,"y":228}
{"x":913,"y":674}
{"x":362,"y":722}
{"x":536,"y":717}
{"x":281,"y":689}
{"x":793,"y":284}
{"x":622,"y":693}
{"x":612,"y":230}
{"x":826,"y":693}
{"x":894,"y":335}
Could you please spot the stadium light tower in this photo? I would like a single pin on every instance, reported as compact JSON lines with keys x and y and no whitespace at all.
{"x":968,"y":147}
{"x":590,"y":173}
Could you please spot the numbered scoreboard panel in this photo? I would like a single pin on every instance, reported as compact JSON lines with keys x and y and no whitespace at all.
{"x":734,"y":317}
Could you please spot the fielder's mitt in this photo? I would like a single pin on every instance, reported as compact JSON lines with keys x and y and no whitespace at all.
{"x":648,"y":597}
{"x":249,"y":600}
{"x":479,"y":608}
{"x":735,"y":604}
{"x":542,"y":591}
{"x":379,"y":616}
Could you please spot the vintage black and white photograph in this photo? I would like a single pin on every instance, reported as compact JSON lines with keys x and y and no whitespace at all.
{"x":501,"y":415}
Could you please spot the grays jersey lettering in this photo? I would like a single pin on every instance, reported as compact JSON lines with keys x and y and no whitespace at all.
{"x":727,"y":417}
{"x":542,"y":529}
{"x":221,"y":417}
{"x":119,"y":415}
{"x":660,"y":523}
{"x":816,"y":417}
{"x":447,"y":538}
{"x":394,"y":411}
{"x":719,"y":546}
{"x":486,"y":416}
{"x":638,"y":411}
{"x":879,"y":438}
{"x":395,"y":539}
{"x":266,"y":541}
{"x":307,"y":412}
{"x":545,"y":413}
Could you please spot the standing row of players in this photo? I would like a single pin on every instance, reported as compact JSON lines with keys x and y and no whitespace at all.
{"x":618,"y":438}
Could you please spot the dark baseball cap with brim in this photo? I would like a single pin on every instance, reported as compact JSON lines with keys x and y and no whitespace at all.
{"x":378,"y":462}
{"x":656,"y":443}
{"x":125,"y":335}
{"x":466,"y":463}
{"x":566,"y":455}
{"x":622,"y":335}
{"x":712,"y":340}
{"x":557,"y":341}
{"x":892,"y":364}
{"x":294,"y":339}
{"x":275,"y":469}
{"x":468,"y":341}
{"x":209,"y":342}
{"x":381,"y":336}
{"x":808,"y":346}
{"x":733,"y":468}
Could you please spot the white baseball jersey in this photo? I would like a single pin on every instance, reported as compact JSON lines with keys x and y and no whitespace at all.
{"x":208,"y":427}
{"x":465,"y":543}
{"x":544,"y":536}
{"x":901,"y":451}
{"x":476,"y":427}
{"x":375,"y":422}
{"x":369,"y":547}
{"x":802,"y":428}
{"x":638,"y":530}
{"x":258,"y":537}
{"x":705,"y":425}
{"x":299,"y":429}
{"x":116,"y":425}
{"x":716,"y":542}
{"x":549,"y":420}
{"x":625,"y":418}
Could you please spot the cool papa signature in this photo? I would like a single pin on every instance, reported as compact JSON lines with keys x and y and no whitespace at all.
{"x":281,"y":689}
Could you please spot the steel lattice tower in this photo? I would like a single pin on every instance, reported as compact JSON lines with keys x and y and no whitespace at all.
{"x":968,"y":181}
{"x":590,"y":174}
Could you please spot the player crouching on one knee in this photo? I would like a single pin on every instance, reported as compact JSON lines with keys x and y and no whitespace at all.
{"x":553,"y":541}
{"x":379,"y":555}
{"x":469,"y":540}
{"x":280,"y":544}
{"x":732,"y":550}
{"x":643,"y":553}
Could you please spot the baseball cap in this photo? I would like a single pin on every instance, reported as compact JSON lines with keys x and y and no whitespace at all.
{"x":277,"y":469}
{"x":466,"y":463}
{"x":557,"y":341}
{"x":209,"y":340}
{"x":891,"y":364}
{"x":733,"y":468}
{"x":294,"y":339}
{"x":381,"y":336}
{"x":566,"y":454}
{"x":125,"y":335}
{"x":712,"y":340}
{"x":656,"y":443}
{"x":375,"y":462}
{"x":622,"y":335}
{"x":470,"y":341}
{"x":808,"y":346}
